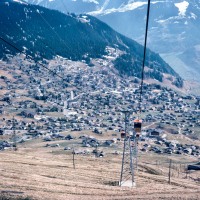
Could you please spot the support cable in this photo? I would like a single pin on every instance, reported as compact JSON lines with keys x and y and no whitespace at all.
{"x":48,"y":24}
{"x":30,"y":49}
{"x":31,"y":58}
{"x":144,"y":57}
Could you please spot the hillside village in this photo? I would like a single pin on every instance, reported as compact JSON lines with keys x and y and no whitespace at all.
{"x":91,"y":99}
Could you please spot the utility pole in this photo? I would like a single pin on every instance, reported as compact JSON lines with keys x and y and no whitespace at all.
{"x":96,"y":151}
{"x":169,"y":176}
{"x":73,"y":152}
{"x":135,"y":151}
{"x":127,"y":171}
{"x":14,"y":135}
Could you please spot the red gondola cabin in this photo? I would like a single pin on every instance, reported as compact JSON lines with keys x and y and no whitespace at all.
{"x":137,"y":125}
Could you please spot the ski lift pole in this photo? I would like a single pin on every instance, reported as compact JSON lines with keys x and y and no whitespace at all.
{"x":14,"y":135}
{"x":73,"y":152}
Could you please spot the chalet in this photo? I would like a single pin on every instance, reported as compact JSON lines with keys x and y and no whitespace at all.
{"x":155,"y":133}
{"x":198,"y":101}
{"x":194,"y":167}
{"x":1,"y":132}
{"x":108,"y":143}
{"x":27,"y":114}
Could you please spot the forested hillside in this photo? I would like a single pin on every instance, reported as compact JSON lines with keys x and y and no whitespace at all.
{"x":44,"y":33}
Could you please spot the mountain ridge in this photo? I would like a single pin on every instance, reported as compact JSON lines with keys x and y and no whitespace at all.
{"x":76,"y":37}
{"x":173,"y":26}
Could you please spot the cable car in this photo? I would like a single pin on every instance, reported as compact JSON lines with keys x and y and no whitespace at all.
{"x":123,"y":134}
{"x":137,"y":125}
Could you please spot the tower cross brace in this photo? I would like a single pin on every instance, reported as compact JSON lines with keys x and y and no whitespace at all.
{"x":127,"y":169}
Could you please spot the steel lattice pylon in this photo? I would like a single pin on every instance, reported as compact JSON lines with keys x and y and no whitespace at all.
{"x":127,"y":170}
{"x":135,"y":152}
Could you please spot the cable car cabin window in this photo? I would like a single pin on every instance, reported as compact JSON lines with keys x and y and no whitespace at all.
{"x":123,"y":135}
{"x":137,"y":125}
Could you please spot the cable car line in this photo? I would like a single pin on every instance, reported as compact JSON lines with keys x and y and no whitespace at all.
{"x":20,"y":30}
{"x":44,"y":43}
{"x":53,"y":30}
{"x":31,"y":58}
{"x":128,"y":150}
{"x":144,"y":57}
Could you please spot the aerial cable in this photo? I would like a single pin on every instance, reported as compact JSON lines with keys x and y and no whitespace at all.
{"x":64,"y":7}
{"x":61,"y":40}
{"x":52,"y":29}
{"x":144,"y":57}
{"x":31,"y":58}
{"x":20,"y":30}
{"x":44,"y":43}
{"x":28,"y":56}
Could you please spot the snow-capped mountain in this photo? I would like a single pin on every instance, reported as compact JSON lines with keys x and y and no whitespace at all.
{"x":173,"y":28}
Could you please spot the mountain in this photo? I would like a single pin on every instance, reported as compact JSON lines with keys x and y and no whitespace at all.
{"x":173,"y":28}
{"x":45,"y":33}
{"x":191,"y":57}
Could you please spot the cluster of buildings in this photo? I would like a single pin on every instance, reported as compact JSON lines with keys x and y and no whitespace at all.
{"x":87,"y":98}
